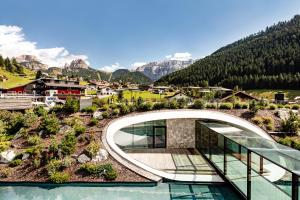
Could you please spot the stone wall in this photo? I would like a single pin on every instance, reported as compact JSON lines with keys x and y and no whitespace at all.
{"x":180,"y":133}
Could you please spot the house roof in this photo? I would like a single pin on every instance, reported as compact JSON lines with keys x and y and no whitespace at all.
{"x":237,"y":93}
{"x":64,"y":85}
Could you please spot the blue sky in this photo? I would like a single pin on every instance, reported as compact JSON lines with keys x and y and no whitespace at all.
{"x":119,"y":33}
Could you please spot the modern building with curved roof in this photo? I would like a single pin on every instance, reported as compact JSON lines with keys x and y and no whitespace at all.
{"x":204,"y":146}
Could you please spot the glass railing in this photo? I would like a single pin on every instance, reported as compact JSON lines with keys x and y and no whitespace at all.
{"x":252,"y":174}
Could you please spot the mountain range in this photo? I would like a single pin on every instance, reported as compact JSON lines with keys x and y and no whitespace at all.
{"x":267,"y":59}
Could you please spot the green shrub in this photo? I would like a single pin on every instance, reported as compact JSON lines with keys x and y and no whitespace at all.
{"x":173,"y":105}
{"x":50,"y":124}
{"x":288,"y":141}
{"x":40,"y":111}
{"x":4,"y":145}
{"x":37,"y":162}
{"x":29,"y":118}
{"x":279,"y":106}
{"x":79,"y":129}
{"x":93,"y":121}
{"x":90,"y":109}
{"x":226,"y":106}
{"x":147,"y":106}
{"x":59,"y":177}
{"x":115,"y":112}
{"x":15,"y":163}
{"x":113,"y":106}
{"x":158,"y":106}
{"x":3,"y":127}
{"x":104,"y":108}
{"x":295,"y":107}
{"x":68,"y":144}
{"x":93,"y":148}
{"x":105,"y":114}
{"x":291,"y":124}
{"x":5,"y":172}
{"x":34,"y":151}
{"x":67,"y":162}
{"x":71,"y":105}
{"x":268,"y":120}
{"x":237,"y":105}
{"x":272,"y":107}
{"x":211,"y":106}
{"x":257,"y":120}
{"x":181,"y":103}
{"x":244,"y":106}
{"x":254,"y":107}
{"x":198,"y":104}
{"x":105,"y":170}
{"x":287,"y":106}
{"x":124,"y":109}
{"x":34,"y":140}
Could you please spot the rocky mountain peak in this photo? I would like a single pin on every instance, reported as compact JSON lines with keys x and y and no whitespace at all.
{"x":77,"y":64}
{"x":31,"y":62}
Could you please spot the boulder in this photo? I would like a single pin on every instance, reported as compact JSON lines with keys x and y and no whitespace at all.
{"x":83,"y":158}
{"x":284,"y":113}
{"x":98,"y":115}
{"x":64,"y":129}
{"x":102,"y":155}
{"x":7,"y":156}
{"x":25,"y":156}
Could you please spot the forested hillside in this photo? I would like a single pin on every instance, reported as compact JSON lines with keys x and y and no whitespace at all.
{"x":125,"y":75}
{"x":268,"y":59}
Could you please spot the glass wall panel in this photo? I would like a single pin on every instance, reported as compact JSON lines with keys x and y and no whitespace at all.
{"x":217,"y":150}
{"x":142,"y":135}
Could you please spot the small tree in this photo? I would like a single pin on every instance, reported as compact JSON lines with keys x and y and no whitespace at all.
{"x":50,"y":124}
{"x":71,"y":105}
{"x":253,"y":107}
{"x":292,"y":124}
{"x":38,"y":74}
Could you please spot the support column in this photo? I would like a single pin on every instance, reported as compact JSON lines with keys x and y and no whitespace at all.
{"x":248,"y":174}
{"x":295,"y":187}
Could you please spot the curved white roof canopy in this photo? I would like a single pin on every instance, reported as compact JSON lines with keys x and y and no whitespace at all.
{"x":128,"y":120}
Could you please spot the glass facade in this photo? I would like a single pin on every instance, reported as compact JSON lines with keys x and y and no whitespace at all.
{"x":248,"y":161}
{"x":151,"y":134}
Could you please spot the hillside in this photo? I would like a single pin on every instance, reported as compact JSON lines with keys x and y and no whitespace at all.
{"x":14,"y":79}
{"x":268,"y":59}
{"x":125,"y":75}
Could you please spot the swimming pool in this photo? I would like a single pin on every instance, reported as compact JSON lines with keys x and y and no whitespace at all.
{"x":163,"y":191}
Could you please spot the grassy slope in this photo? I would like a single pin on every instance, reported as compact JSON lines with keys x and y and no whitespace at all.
{"x":16,"y":80}
{"x":269,"y":93}
{"x":146,"y":95}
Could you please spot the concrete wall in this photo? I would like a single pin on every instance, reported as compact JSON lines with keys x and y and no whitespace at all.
{"x":181,"y":133}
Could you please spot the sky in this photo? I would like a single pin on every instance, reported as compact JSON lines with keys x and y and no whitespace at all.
{"x":112,"y":34}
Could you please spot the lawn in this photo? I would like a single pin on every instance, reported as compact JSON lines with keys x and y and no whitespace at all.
{"x":269,"y":93}
{"x":15,"y":80}
{"x":146,"y":95}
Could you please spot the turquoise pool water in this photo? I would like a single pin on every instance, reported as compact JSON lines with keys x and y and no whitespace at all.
{"x":162,"y":191}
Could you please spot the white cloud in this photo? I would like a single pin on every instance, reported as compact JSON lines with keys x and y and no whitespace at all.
{"x":135,"y":65}
{"x":13,"y":43}
{"x":111,"y":68}
{"x":180,"y":56}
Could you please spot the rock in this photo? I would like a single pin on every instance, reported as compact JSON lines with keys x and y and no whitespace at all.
{"x":102,"y":155}
{"x":25,"y":156}
{"x":7,"y":156}
{"x":64,"y":129}
{"x":74,"y":156}
{"x":41,"y":133}
{"x":284,"y":113}
{"x":83,"y":158}
{"x":98,"y":115}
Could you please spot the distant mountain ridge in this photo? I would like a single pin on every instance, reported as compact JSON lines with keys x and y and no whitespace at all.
{"x":156,"y":70}
{"x":267,"y":59}
{"x":124,"y":75}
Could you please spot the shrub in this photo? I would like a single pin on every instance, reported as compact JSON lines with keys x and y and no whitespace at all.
{"x":268,"y":120}
{"x":226,"y":106}
{"x":59,"y":177}
{"x":3,"y":127}
{"x":54,"y":166}
{"x":237,"y":105}
{"x":287,"y":106}
{"x":4,"y":145}
{"x":295,"y":107}
{"x":40,"y":111}
{"x":71,"y":105}
{"x":272,"y":107}
{"x":105,"y":114}
{"x":93,"y":121}
{"x":198,"y":104}
{"x":5,"y":172}
{"x":158,"y":106}
{"x":181,"y":103}
{"x":68,"y":144}
{"x":244,"y":106}
{"x":53,"y":148}
{"x":34,"y":151}
{"x":147,"y":106}
{"x":257,"y":120}
{"x":79,"y":129}
{"x":254,"y":107}
{"x":67,"y":162}
{"x":15,"y":162}
{"x":124,"y":109}
{"x":37,"y":162}
{"x":34,"y":140}
{"x":173,"y":105}
{"x":93,"y":148}
{"x":50,"y":124}
{"x":113,"y":106}
{"x":56,"y":109}
{"x":104,"y":108}
{"x":211,"y":106}
{"x":291,"y":124}
{"x":279,"y":106}
{"x":115,"y":112}
{"x":29,"y":118}
{"x":105,"y":170}
{"x":72,"y":121}
{"x":90,"y":109}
